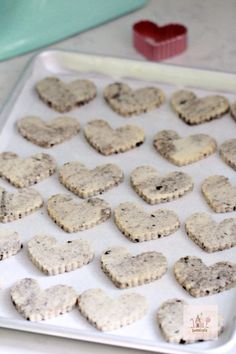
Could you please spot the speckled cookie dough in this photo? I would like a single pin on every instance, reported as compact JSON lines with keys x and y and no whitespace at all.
{"x":140,"y":226}
{"x":106,"y":140}
{"x":86,"y":183}
{"x":107,"y":314}
{"x":219,"y":194}
{"x":126,"y":270}
{"x":64,"y":97}
{"x":10,"y":244}
{"x":194,"y":110}
{"x":72,"y":216}
{"x":183,"y":151}
{"x":127,"y":102}
{"x":228,"y":152}
{"x":201,"y":280}
{"x":54,"y":258}
{"x":50,"y":133}
{"x":233,"y":110}
{"x":155,"y":189}
{"x":35,"y":304}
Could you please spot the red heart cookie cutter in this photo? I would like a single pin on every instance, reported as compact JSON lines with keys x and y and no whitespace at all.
{"x":158,"y":43}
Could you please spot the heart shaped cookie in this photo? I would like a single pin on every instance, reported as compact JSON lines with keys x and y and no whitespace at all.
{"x":219,"y":194}
{"x":127,"y":271}
{"x":183,"y":151}
{"x":25,"y":172}
{"x":209,"y":235}
{"x":233,"y":110}
{"x":201,"y":280}
{"x":107,"y":314}
{"x":64,"y":97}
{"x":87,"y":183}
{"x":48,"y":134}
{"x":127,"y":102}
{"x":194,"y":110}
{"x":54,"y":258}
{"x":108,"y":141}
{"x":140,"y":226}
{"x":72,"y":216}
{"x":10,"y":244}
{"x":155,"y":189}
{"x":228,"y":152}
{"x":14,"y":206}
{"x":36,"y":304}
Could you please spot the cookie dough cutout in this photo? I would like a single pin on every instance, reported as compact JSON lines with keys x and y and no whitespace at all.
{"x":10,"y":244}
{"x":228,"y":152}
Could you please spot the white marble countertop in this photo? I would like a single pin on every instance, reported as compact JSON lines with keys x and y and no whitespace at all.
{"x":212,"y":45}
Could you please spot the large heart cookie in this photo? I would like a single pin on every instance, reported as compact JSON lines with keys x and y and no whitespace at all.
{"x":209,"y":235}
{"x":127,"y":271}
{"x":228,"y":152}
{"x":72,"y":216}
{"x":219,"y":194}
{"x":107,"y":314}
{"x":127,"y":102}
{"x":25,"y":172}
{"x":64,"y":97}
{"x":183,"y":151}
{"x":155,"y":189}
{"x":14,"y":206}
{"x":86,"y":183}
{"x":140,"y":226}
{"x":36,"y":304}
{"x":10,"y":243}
{"x":54,"y":258}
{"x":50,"y":133}
{"x":107,"y":140}
{"x":194,"y":110}
{"x":201,"y":280}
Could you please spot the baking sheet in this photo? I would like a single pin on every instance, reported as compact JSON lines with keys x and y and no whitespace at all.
{"x":145,"y":333}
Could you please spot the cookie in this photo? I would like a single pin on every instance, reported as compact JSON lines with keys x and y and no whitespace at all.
{"x":219,"y":194}
{"x":194,"y":110}
{"x":35,"y":304}
{"x":50,"y":133}
{"x":183,"y":151}
{"x":64,"y":97}
{"x":14,"y":206}
{"x":86,"y":183}
{"x":201,"y":280}
{"x":140,"y":226}
{"x":106,"y":140}
{"x":54,"y":258}
{"x":72,"y":216}
{"x":25,"y":172}
{"x":209,"y":235}
{"x":127,"y":102}
{"x":107,"y":314}
{"x":10,"y":244}
{"x":127,"y":271}
{"x":233,"y":110}
{"x":228,"y":152}
{"x":155,"y":189}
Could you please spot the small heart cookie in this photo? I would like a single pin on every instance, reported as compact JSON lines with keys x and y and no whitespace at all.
{"x":228,"y":152}
{"x":194,"y":110}
{"x":155,"y":189}
{"x":10,"y":244}
{"x":219,"y":194}
{"x":183,"y":151}
{"x":233,"y":110}
{"x":209,"y":235}
{"x":36,"y":304}
{"x":64,"y":97}
{"x":54,"y":258}
{"x":107,"y":314}
{"x":86,"y":183}
{"x":127,"y":102}
{"x":140,"y":226}
{"x":14,"y":206}
{"x":127,"y":271}
{"x":25,"y":172}
{"x":106,"y":140}
{"x":72,"y":216}
{"x":50,"y":133}
{"x":201,"y":280}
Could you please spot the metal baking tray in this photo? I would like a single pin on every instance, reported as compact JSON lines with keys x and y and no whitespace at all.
{"x":145,"y":333}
